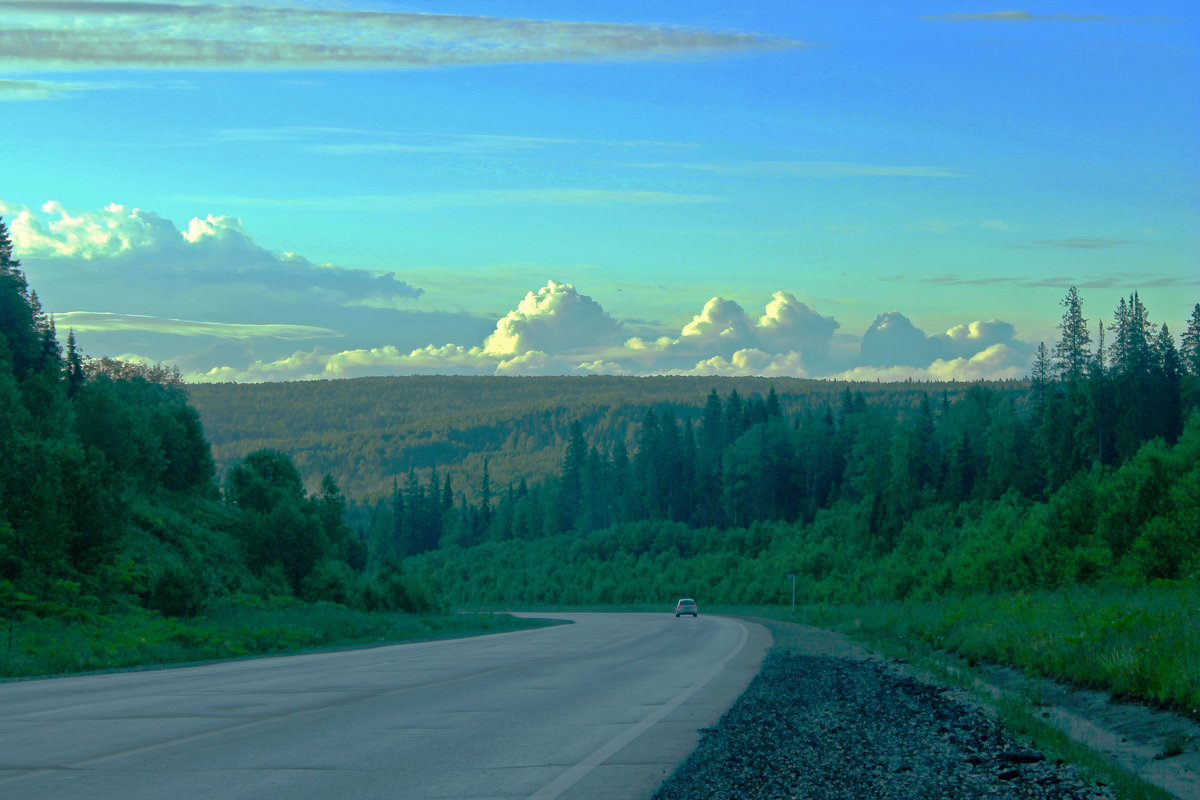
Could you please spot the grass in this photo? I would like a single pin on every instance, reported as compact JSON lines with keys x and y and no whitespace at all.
{"x":1138,"y":643}
{"x":138,"y":638}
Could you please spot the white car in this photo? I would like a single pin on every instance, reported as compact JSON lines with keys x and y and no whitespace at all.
{"x":687,"y":606}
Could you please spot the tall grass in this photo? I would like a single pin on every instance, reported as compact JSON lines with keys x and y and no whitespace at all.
{"x":139,"y":638}
{"x":1141,"y":643}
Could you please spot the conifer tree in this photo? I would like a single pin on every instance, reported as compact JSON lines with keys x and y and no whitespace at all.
{"x":485,"y":497}
{"x":712,"y":434}
{"x":18,"y":311}
{"x":774,"y":409}
{"x":1189,"y":353}
{"x":1166,"y":402}
{"x":75,"y":376}
{"x":1072,"y":351}
{"x":1040,"y":380}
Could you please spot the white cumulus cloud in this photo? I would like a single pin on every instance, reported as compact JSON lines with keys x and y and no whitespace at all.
{"x":554,"y":319}
{"x":89,"y":250}
{"x":792,"y":338}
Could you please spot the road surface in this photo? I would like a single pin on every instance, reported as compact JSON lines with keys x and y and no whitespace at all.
{"x":601,"y":708}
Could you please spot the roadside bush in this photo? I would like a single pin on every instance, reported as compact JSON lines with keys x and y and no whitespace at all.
{"x":331,"y":580}
{"x":177,"y":591}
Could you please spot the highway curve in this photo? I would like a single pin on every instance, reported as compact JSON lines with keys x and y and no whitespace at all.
{"x":605,"y":707}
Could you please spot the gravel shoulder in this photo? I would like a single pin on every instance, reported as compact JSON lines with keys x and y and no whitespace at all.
{"x":827,"y":719}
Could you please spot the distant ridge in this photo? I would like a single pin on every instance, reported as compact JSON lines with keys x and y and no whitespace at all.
{"x":367,"y":432}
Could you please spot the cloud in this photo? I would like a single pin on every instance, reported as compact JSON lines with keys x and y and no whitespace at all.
{"x":787,"y":325}
{"x":995,"y":363}
{"x":1083,"y":243}
{"x":362,"y":362}
{"x":75,"y":35}
{"x":750,"y":362}
{"x":720,"y":321}
{"x":952,"y":279}
{"x":34,"y":90}
{"x":500,"y":198}
{"x":811,"y":169}
{"x":573,"y":197}
{"x":462,"y":144}
{"x":555,"y":319}
{"x":205,"y":296}
{"x":893,"y":341}
{"x":723,"y":328}
{"x":557,"y":330}
{"x":86,"y":321}
{"x":1131,"y":281}
{"x":216,"y":253}
{"x":1021,"y":16}
{"x":972,"y":338}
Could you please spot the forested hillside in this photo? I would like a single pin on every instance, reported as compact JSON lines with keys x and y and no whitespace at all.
{"x":1089,"y":472}
{"x":369,"y":432}
{"x":109,"y":498}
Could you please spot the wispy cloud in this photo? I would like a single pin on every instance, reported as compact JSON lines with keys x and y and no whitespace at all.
{"x":33,"y":90}
{"x":952,"y":279}
{"x":472,"y":144}
{"x":103,"y":321}
{"x":1025,"y":16}
{"x":484,"y":198}
{"x":73,"y":34}
{"x":1084,"y":243}
{"x":47,"y":90}
{"x":1129,"y":281}
{"x":810,"y":169}
{"x":353,"y":141}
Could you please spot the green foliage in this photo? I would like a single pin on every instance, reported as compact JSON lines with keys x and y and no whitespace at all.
{"x":177,"y":591}
{"x":1141,"y":643}
{"x":1013,"y":543}
{"x":109,"y":502}
{"x":239,"y":626}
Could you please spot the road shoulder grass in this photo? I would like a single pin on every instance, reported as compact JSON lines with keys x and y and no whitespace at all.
{"x":139,"y":639}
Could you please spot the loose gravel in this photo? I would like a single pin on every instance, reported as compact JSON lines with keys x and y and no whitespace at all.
{"x":821,"y":727}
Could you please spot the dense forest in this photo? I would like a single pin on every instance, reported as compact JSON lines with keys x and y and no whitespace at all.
{"x":1090,"y":472}
{"x":109,"y":497}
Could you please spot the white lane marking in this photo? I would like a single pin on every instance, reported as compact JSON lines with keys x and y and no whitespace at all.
{"x":572,"y":776}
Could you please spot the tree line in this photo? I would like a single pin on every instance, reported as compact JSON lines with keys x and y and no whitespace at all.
{"x":743,"y":460}
{"x":1091,"y":471}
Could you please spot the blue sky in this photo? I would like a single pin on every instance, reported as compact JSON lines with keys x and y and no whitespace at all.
{"x":848,"y":189}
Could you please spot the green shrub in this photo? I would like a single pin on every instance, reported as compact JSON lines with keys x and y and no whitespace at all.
{"x":177,"y":591}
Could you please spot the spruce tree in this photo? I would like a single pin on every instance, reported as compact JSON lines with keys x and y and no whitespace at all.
{"x":1189,"y":353}
{"x":1072,"y":351}
{"x":19,"y":312}
{"x":1166,"y":401}
{"x":75,"y":376}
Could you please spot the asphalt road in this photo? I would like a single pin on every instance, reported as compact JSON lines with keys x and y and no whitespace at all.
{"x":602,"y":708}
